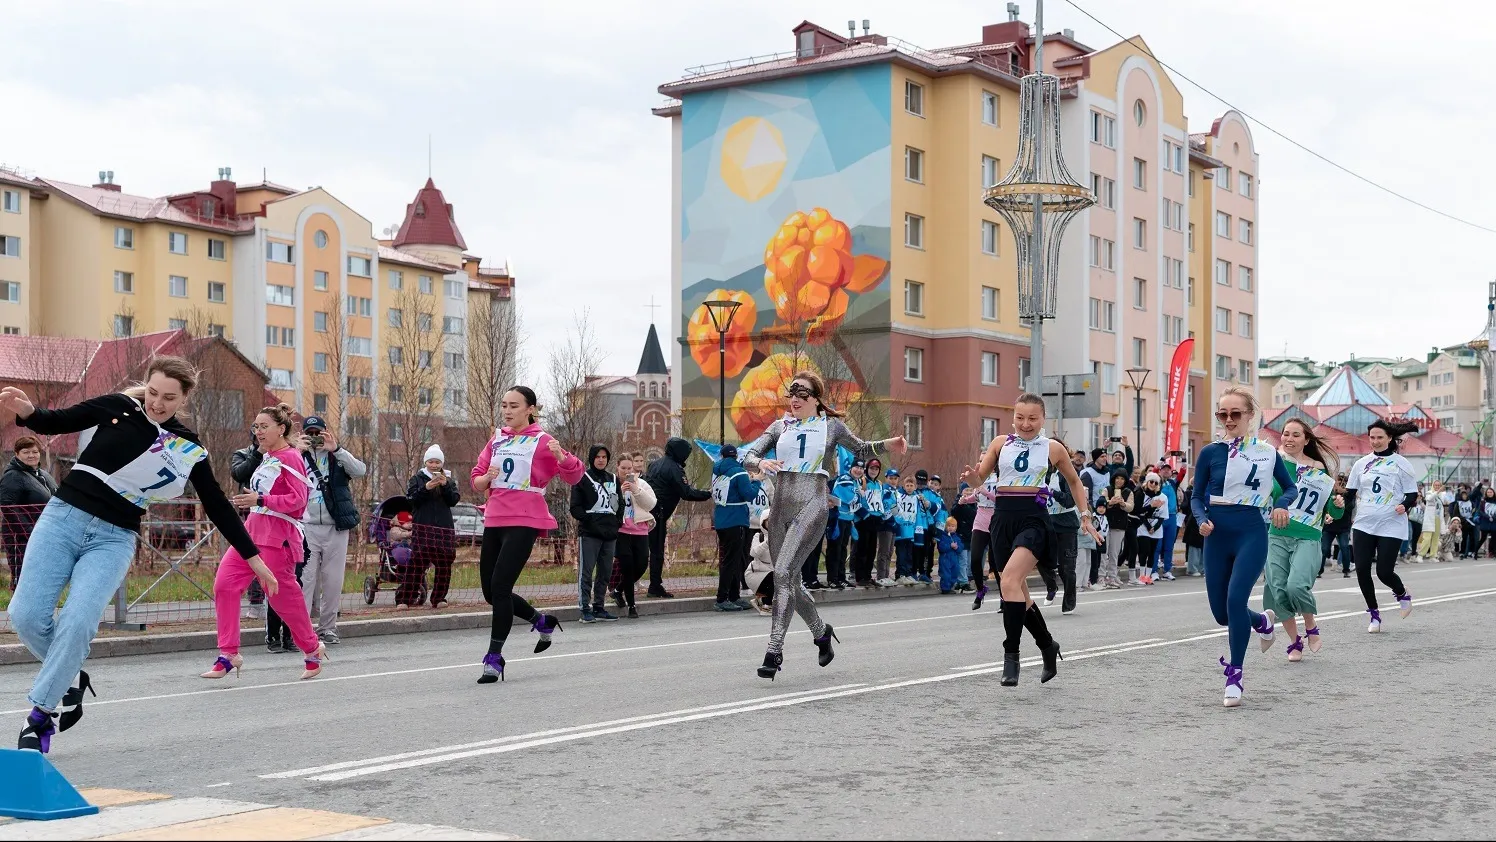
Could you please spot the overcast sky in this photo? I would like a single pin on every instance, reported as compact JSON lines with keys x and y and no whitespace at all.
{"x":544,"y":142}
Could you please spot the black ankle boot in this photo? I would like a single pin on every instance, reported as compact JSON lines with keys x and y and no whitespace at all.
{"x":824,"y":644}
{"x":1010,"y":669}
{"x":72,"y":702}
{"x":1052,"y":657}
{"x":772,"y":664}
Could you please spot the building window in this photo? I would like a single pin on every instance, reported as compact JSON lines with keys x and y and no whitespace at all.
{"x":423,"y":322}
{"x":914,"y":231}
{"x":319,"y":322}
{"x":319,"y":403}
{"x":1223,"y":178}
{"x":1139,"y":233}
{"x":1191,"y":238}
{"x":456,"y":289}
{"x":12,"y":201}
{"x":1189,"y":399}
{"x":279,"y":252}
{"x":10,"y":246}
{"x":1139,"y":174}
{"x":914,"y":298}
{"x":989,"y":108}
{"x":124,"y":326}
{"x":990,"y":302}
{"x":1139,"y":112}
{"x":10,"y":292}
{"x":1025,"y":371}
{"x":124,"y":282}
{"x":319,"y":279}
{"x":1108,"y":374}
{"x":1244,"y":324}
{"x":991,"y":362}
{"x":397,"y":355}
{"x":914,"y":431}
{"x":1173,"y":330}
{"x":1108,"y":193}
{"x":1223,"y":320}
{"x":989,"y":237}
{"x":1191,"y":184}
{"x":358,"y":425}
{"x":360,"y":266}
{"x":319,"y":363}
{"x":176,"y":324}
{"x":1139,"y":351}
{"x":452,"y":325}
{"x":284,"y":337}
{"x":425,"y":284}
{"x":280,"y":378}
{"x":360,"y":346}
{"x":914,"y":98}
{"x":1244,"y":277}
{"x":397,"y":279}
{"x":397,"y":433}
{"x":1244,"y":370}
{"x":1223,"y":224}
{"x":282,"y":295}
{"x":1223,"y":272}
{"x":217,"y":250}
{"x":455,"y":398}
{"x":1223,"y":367}
{"x":124,"y":238}
{"x":360,"y":306}
{"x":1189,"y":293}
{"x":454,"y":361}
{"x":989,"y":171}
{"x":1244,"y":184}
{"x":989,"y":429}
{"x":1103,"y":315}
{"x":216,"y":292}
{"x":914,"y":164}
{"x":914,"y":365}
{"x":176,"y":243}
{"x":359,"y":387}
{"x":176,"y":286}
{"x":1139,"y":294}
{"x":1103,"y":130}
{"x":1244,"y":232}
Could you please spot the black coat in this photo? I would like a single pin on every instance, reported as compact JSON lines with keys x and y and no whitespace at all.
{"x":966,"y":517}
{"x":667,"y":477}
{"x":432,"y":507}
{"x":24,"y":490}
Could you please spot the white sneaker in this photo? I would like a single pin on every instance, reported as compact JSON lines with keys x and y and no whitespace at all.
{"x":1169,"y":575}
{"x":1265,"y":640}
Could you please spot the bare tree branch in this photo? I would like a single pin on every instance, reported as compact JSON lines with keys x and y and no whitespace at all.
{"x":413,"y":382}
{"x":494,"y":356}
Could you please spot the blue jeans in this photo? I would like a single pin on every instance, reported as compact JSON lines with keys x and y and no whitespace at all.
{"x":1194,"y":561}
{"x":75,"y":550}
{"x":963,"y":576}
{"x":1165,"y":551}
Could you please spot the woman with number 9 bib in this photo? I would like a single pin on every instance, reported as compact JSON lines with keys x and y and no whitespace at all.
{"x":1234,"y":478}
{"x":514,"y":470}
{"x":1293,"y":551}
{"x":804,"y":444}
{"x":132,"y":452}
{"x":1383,"y":487}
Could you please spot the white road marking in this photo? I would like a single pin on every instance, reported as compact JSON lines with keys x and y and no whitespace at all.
{"x":1067,"y":654}
{"x":216,"y":786}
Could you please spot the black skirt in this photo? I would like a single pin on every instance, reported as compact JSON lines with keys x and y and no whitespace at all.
{"x":1023,"y":522}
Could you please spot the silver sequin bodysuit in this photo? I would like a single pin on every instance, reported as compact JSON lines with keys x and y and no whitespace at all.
{"x":798,"y":521}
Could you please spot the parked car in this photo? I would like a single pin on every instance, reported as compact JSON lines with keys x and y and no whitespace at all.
{"x":468,"y":520}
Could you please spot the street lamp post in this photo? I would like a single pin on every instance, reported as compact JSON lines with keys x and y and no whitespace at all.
{"x":1139,"y":377}
{"x":722,"y":313}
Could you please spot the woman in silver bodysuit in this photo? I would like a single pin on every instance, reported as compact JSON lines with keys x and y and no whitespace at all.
{"x":804,"y":444}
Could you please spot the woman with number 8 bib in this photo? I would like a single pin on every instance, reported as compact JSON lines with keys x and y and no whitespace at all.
{"x":804,"y":443}
{"x":133,"y":452}
{"x":1021,"y":533}
{"x":514,"y":470}
{"x":1234,"y":478}
{"x":1383,"y":487}
{"x":1293,"y":551}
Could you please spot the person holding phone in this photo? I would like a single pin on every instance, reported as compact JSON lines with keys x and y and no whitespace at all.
{"x":432,"y":494}
{"x":330,"y":516}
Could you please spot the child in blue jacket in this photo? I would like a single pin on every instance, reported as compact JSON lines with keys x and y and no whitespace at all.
{"x":844,"y":489}
{"x":733,"y":491}
{"x":907,"y":520}
{"x":951,"y":548}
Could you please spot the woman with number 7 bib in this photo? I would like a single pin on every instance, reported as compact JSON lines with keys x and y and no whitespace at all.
{"x":514,"y":470}
{"x":1234,"y":478}
{"x":804,"y":443}
{"x":1383,"y":487}
{"x":133,"y":452}
{"x":1293,"y":551}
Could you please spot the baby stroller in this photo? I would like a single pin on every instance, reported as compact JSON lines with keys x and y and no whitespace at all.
{"x":391,"y":557}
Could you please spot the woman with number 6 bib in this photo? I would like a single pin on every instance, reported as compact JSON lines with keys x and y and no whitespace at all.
{"x":133,"y":452}
{"x":1293,"y":551}
{"x":1022,"y":534}
{"x":804,"y":443}
{"x":1383,"y":487}
{"x":514,"y":470}
{"x":1234,"y":478}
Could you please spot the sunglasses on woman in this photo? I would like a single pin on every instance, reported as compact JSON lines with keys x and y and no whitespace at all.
{"x":1230,"y":415}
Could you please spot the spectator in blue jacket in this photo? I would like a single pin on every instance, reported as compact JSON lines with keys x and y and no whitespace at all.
{"x":839,"y":537}
{"x":951,"y":548}
{"x":933,"y":507}
{"x":907,"y":523}
{"x":733,"y":490}
{"x":875,"y":529}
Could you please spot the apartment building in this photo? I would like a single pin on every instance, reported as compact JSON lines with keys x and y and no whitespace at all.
{"x":20,"y":260}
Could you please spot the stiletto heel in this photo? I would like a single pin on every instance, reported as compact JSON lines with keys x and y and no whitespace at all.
{"x":981,"y":595}
{"x":1313,"y":636}
{"x":313,"y":662}
{"x":546,"y":625}
{"x":773,"y":663}
{"x":225,"y":665}
{"x":493,"y":668}
{"x":37,"y":735}
{"x":824,"y":644}
{"x":72,"y":702}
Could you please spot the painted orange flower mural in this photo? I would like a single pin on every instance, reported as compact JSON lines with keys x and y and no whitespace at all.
{"x":701,"y":334}
{"x":760,"y":400}
{"x":809,"y":269}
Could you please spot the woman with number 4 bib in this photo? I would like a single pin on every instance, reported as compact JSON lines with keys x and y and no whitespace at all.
{"x":1293,"y":551}
{"x":133,"y":452}
{"x":804,"y":443}
{"x":514,"y":470}
{"x":1234,"y":478}
{"x":1022,"y":535}
{"x":1383,"y":488}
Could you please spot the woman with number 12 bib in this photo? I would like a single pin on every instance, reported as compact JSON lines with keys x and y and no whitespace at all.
{"x":1021,"y":530}
{"x":1234,"y":478}
{"x":514,"y":469}
{"x":804,"y":444}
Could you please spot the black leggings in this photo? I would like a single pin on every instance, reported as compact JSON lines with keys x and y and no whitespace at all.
{"x":632,"y":552}
{"x":981,"y":549}
{"x":505,"y":551}
{"x":1366,"y":547}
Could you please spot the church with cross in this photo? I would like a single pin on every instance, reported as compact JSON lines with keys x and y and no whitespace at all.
{"x":638,"y":406}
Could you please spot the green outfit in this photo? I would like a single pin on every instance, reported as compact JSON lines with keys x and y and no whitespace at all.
{"x":1293,"y":562}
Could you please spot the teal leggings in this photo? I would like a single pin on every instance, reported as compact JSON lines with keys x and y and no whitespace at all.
{"x":1235,"y":554}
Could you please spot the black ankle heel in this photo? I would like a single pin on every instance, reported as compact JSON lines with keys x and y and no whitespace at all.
{"x":1052,"y":656}
{"x":772,"y":664}
{"x":824,"y":644}
{"x":72,"y":702}
{"x":1010,"y":669}
{"x":546,"y":625}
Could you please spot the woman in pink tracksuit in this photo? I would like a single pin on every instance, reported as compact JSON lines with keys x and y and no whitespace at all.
{"x":276,"y":500}
{"x":514,"y":469}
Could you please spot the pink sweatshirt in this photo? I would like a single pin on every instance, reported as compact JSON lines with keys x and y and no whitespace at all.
{"x":280,"y":478}
{"x":525,"y":507}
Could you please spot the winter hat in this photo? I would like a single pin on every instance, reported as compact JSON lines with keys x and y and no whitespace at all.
{"x":1152,"y":477}
{"x":434,"y":452}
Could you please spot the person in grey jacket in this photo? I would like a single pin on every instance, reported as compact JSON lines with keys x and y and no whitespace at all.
{"x":24,"y":491}
{"x":330,"y":516}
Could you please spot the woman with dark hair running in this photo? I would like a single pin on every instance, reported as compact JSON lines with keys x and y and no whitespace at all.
{"x":1383,"y":488}
{"x":1234,"y":478}
{"x":804,"y":443}
{"x":1293,"y":551}
{"x":514,"y":470}
{"x":1022,"y":534}
{"x":133,"y":452}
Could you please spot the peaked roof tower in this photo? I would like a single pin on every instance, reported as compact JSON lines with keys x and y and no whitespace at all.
{"x":1346,"y":387}
{"x":429,"y":221}
{"x":653,"y":359}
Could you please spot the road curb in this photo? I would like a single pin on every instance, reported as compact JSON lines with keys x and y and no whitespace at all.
{"x":164,"y":643}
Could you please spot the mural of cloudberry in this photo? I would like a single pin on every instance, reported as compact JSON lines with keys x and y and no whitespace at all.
{"x":701,"y":334}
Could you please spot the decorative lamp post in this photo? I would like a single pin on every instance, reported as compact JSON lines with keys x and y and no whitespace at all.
{"x":1038,"y":198}
{"x":722,"y":313}
{"x":1139,"y":378}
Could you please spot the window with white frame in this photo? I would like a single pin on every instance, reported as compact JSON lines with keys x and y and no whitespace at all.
{"x":1189,"y":292}
{"x":1223,"y":367}
{"x":1244,"y":324}
{"x":914,"y":298}
{"x":1244,"y":184}
{"x":1101,"y":434}
{"x":395,"y":317}
{"x":914,"y":365}
{"x":10,"y":292}
{"x":914,"y":431}
{"x":397,"y":355}
{"x":452,"y":325}
{"x":1025,"y":371}
{"x":279,"y":252}
{"x":1244,"y":369}
{"x":1223,"y":178}
{"x":124,"y":282}
{"x":1103,"y":315}
{"x":10,"y":201}
{"x":359,"y":425}
{"x":990,"y":303}
{"x":124,"y":326}
{"x":991,"y":362}
{"x":1178,"y":216}
{"x":989,"y":108}
{"x":914,"y":231}
{"x":1223,"y":224}
{"x":360,"y":306}
{"x":124,"y":238}
{"x":423,"y":322}
{"x":10,"y":246}
{"x":1190,"y":182}
{"x":280,"y":337}
{"x":397,"y":432}
{"x":360,"y":266}
{"x":1190,"y":239}
{"x":360,"y":346}
{"x":397,"y":279}
{"x":914,"y":164}
{"x":990,"y":174}
{"x":1108,"y":255}
{"x":455,"y":398}
{"x":319,"y":362}
{"x":1139,"y":351}
{"x":989,"y":429}
{"x":454,"y":361}
{"x":989,"y":237}
{"x":176,"y":286}
{"x":176,"y":243}
{"x":319,"y":321}
{"x":1104,"y":130}
{"x":359,"y":387}
{"x":1139,"y":294}
{"x":423,"y":359}
{"x":1223,"y":272}
{"x":282,"y":295}
{"x":1189,"y":400}
{"x":1108,"y":373}
{"x":1223,"y":320}
{"x":217,"y":292}
{"x":1139,"y":174}
{"x":217,"y":250}
{"x":1244,"y":232}
{"x":1244,"y":277}
{"x":455,"y":289}
{"x":914,"y":98}
{"x":280,"y":378}
{"x":319,"y":403}
{"x":1173,"y":330}
{"x":1139,"y":233}
{"x":176,"y":324}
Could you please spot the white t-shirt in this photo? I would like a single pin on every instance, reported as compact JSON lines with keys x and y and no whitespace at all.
{"x":1380,"y":483}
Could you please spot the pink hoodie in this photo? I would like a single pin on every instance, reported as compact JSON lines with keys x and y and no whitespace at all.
{"x":518,"y":507}
{"x":280,"y":478}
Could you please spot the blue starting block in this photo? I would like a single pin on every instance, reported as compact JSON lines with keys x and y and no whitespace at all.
{"x":33,"y":789}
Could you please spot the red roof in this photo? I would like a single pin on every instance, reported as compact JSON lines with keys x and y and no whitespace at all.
{"x":429,"y":221}
{"x":44,"y":359}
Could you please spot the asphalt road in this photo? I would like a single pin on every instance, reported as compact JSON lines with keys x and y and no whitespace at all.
{"x":659,"y":727}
